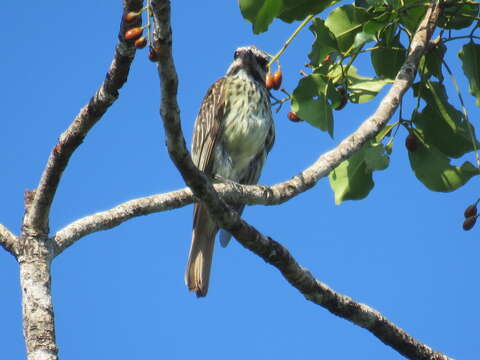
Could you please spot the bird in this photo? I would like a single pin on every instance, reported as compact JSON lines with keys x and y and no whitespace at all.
{"x":232,"y":135}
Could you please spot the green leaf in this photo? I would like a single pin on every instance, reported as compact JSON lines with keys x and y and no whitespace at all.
{"x":299,"y":9}
{"x":470,"y":56}
{"x":310,"y":101}
{"x":434,"y":170}
{"x":260,"y":12}
{"x":373,"y":27}
{"x":362,"y":38}
{"x":411,"y":16}
{"x":442,"y":125}
{"x":452,"y":141}
{"x":324,"y":44}
{"x":458,"y":17}
{"x":345,"y":22}
{"x":376,"y":157}
{"x":387,"y":60}
{"x":352,"y":179}
{"x":431,"y":62}
{"x":363,"y":89}
{"x":385,"y":132}
{"x":369,"y":3}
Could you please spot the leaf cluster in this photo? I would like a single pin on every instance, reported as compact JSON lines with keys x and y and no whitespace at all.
{"x":384,"y":29}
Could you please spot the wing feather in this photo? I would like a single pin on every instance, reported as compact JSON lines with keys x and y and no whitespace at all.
{"x":208,"y":127}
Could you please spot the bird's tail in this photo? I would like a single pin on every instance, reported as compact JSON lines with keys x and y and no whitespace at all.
{"x":200,"y":257}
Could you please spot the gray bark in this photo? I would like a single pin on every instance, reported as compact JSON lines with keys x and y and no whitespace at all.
{"x":38,"y":317}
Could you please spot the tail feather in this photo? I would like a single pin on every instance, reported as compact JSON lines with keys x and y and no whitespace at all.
{"x":200,"y":257}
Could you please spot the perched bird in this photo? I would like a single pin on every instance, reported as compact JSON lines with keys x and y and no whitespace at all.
{"x":232,"y":136}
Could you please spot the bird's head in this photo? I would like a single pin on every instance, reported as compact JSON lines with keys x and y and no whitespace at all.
{"x":248,"y":61}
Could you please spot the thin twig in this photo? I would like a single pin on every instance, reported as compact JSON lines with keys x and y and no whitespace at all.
{"x":290,"y":39}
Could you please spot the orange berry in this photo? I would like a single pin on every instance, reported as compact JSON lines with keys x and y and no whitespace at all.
{"x":293,"y":117}
{"x":277,"y":79}
{"x":140,"y":43}
{"x":269,"y":81}
{"x":129,"y":17}
{"x":134,"y":33}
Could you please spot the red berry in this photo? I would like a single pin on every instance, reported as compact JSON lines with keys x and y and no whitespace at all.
{"x":327,"y":59}
{"x":140,"y":43}
{"x":469,"y":222}
{"x":153,"y":55}
{"x":277,"y":79}
{"x":134,"y":33}
{"x":131,"y":16}
{"x":470,"y":211}
{"x":293,"y":117}
{"x":343,"y":98}
{"x":269,"y":81}
{"x":411,"y":142}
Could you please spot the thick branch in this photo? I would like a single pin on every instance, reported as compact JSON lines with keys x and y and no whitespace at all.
{"x":7,"y":240}
{"x":38,"y":316}
{"x":38,"y":213}
{"x":268,"y":249}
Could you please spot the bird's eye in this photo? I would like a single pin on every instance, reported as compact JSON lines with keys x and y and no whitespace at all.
{"x":235,"y":54}
{"x":262,"y":61}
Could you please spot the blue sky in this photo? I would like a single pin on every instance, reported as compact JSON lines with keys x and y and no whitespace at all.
{"x":119,"y":294}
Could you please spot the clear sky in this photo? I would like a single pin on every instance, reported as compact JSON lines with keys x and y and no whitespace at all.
{"x":119,"y":294}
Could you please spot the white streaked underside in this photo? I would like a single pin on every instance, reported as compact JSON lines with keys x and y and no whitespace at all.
{"x":248,"y":120}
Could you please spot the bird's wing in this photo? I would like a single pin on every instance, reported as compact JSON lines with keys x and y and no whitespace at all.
{"x":207,"y":130}
{"x":208,"y":127}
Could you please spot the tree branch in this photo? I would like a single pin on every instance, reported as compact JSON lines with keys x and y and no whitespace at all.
{"x":268,"y":249}
{"x":34,"y":250}
{"x":7,"y":240}
{"x":319,"y":293}
{"x":38,"y":213}
{"x":229,"y":191}
{"x":108,"y":219}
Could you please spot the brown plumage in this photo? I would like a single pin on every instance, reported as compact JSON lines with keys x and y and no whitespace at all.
{"x":232,"y":135}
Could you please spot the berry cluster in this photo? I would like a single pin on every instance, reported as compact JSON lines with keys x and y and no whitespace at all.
{"x":274,"y":81}
{"x":135,"y":34}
